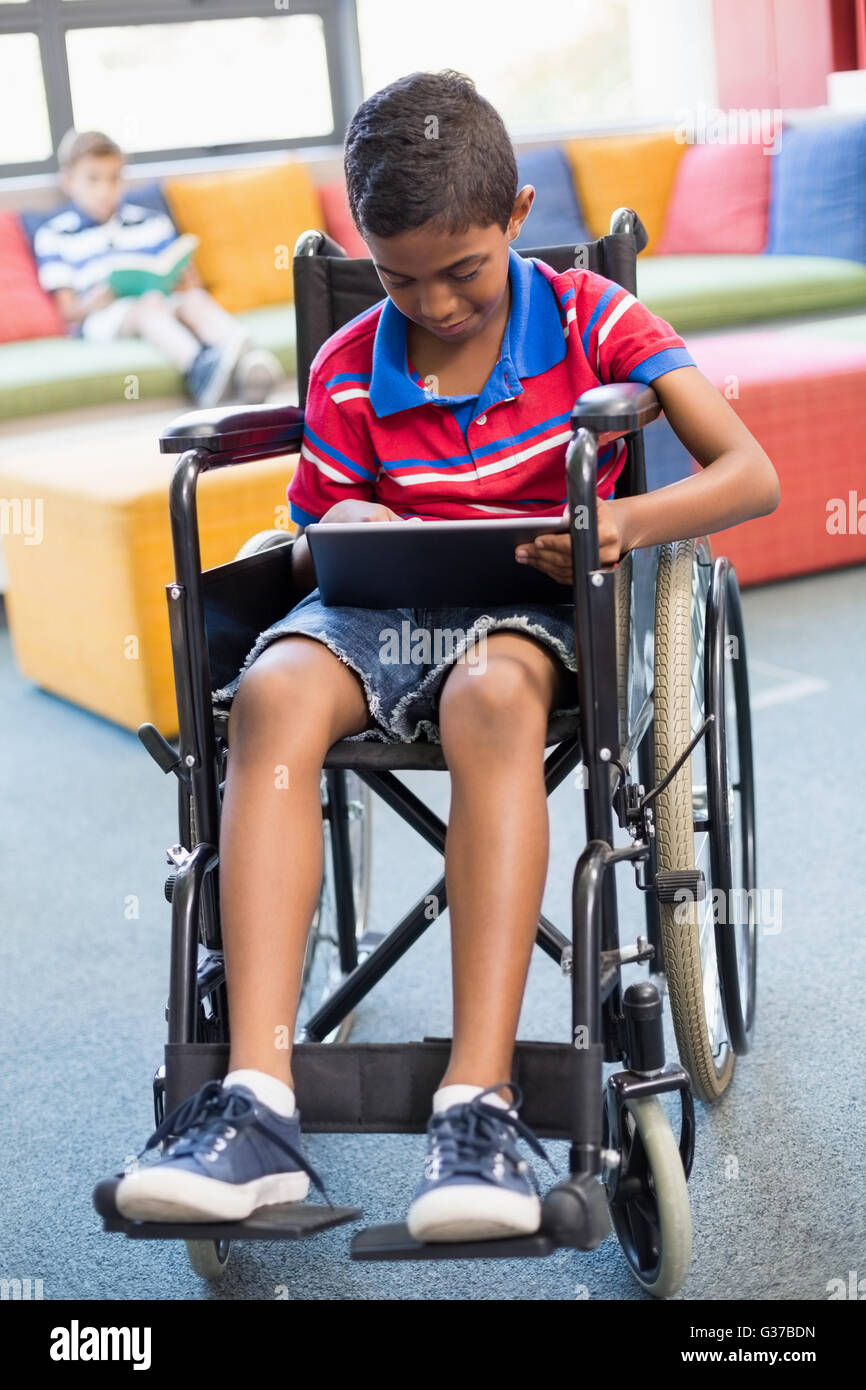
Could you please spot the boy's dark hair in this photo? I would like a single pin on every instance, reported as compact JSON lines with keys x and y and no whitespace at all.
{"x":77,"y":145}
{"x":429,"y":149}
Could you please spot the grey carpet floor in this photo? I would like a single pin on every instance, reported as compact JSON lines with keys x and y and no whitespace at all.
{"x":777,"y":1189}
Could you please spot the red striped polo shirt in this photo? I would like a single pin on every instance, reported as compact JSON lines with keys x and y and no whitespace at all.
{"x":374,"y":431}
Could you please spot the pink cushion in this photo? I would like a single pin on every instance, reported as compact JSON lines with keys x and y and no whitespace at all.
{"x":28,"y":312}
{"x":719,"y":202}
{"x":338,"y":219}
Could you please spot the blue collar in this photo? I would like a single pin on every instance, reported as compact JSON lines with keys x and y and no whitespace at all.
{"x":533,"y":342}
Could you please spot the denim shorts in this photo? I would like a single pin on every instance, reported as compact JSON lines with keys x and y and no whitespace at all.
{"x":402,"y":655}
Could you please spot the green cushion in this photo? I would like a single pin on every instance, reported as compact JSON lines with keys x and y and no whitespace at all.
{"x":844,"y":328}
{"x":693,"y":292}
{"x":45,"y":374}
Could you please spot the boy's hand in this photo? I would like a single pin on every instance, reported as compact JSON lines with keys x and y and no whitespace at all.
{"x":97,"y":298}
{"x":189,"y":279}
{"x":552,"y":553}
{"x":354,"y":510}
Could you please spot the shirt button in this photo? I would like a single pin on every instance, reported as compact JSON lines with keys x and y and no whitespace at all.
{"x":482,"y":420}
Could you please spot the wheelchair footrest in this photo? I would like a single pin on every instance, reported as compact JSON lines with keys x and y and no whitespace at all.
{"x":395,"y":1243}
{"x":290,"y":1221}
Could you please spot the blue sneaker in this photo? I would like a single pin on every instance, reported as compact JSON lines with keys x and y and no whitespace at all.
{"x":228,"y":1155}
{"x":476,"y":1185}
{"x":209,"y":379}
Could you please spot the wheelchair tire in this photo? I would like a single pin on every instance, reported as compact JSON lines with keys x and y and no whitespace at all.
{"x":622,"y":608}
{"x":654,"y":1225}
{"x":208,"y":1258}
{"x":692,"y":967}
{"x":731,"y":803}
{"x":263,"y":540}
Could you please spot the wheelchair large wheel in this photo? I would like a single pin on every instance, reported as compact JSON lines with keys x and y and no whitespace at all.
{"x":685,"y":827}
{"x":731,"y":802}
{"x":649,"y":1199}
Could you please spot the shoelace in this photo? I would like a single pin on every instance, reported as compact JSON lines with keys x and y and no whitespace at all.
{"x":201,"y":1119}
{"x":476,"y":1132}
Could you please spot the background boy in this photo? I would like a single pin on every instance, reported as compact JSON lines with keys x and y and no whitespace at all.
{"x":75,"y":250}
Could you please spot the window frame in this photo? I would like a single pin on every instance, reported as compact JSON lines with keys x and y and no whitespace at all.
{"x":51,"y":20}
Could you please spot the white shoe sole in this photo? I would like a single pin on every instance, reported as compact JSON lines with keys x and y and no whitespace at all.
{"x":473,"y":1213}
{"x":256,"y":375}
{"x":164,"y":1195}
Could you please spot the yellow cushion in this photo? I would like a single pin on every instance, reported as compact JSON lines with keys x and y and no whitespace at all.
{"x":631,"y":171}
{"x":247,"y":221}
{"x":87,"y":605}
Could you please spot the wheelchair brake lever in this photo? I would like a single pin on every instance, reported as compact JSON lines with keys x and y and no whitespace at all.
{"x":163,"y":754}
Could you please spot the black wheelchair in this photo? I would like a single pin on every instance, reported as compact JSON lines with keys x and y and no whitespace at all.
{"x":664,"y":746}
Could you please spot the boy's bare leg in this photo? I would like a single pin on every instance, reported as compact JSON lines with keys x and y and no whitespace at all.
{"x":150,"y":317}
{"x":209,"y":321}
{"x":493,"y":725}
{"x":293,"y":703}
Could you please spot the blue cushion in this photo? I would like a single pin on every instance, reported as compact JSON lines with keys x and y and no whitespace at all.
{"x":32,"y":221}
{"x":818,"y":191}
{"x":555,"y":218}
{"x":150,"y":195}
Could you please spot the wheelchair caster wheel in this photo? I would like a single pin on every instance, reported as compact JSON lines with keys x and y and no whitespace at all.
{"x":209,"y":1258}
{"x":575,"y":1215}
{"x":649,"y":1199}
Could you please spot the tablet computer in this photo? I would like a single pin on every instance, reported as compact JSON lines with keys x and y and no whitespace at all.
{"x":431,"y":564}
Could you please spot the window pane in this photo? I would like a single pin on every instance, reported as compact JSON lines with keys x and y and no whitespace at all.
{"x":549,"y":65}
{"x":202,"y":84}
{"x":24,"y":130}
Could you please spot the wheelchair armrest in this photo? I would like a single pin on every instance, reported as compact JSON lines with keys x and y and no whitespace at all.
{"x":253,"y":431}
{"x":620,"y":408}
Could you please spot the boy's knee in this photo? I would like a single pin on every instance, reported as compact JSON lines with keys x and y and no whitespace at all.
{"x":474,"y":701}
{"x":152,"y":302}
{"x":192,"y":298}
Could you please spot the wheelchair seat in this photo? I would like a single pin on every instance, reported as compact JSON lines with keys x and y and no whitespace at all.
{"x":395,"y":756}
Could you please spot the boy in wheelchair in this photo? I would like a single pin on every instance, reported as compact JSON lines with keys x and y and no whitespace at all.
{"x":464,"y":379}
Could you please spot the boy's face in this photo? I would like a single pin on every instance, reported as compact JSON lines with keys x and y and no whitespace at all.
{"x":450,"y":285}
{"x":95,"y":185}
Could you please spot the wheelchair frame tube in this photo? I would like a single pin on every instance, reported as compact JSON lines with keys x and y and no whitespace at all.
{"x":587,"y":900}
{"x":192,"y":678}
{"x":593,"y":590}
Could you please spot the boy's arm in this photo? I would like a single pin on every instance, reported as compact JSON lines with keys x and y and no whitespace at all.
{"x":75,"y":307}
{"x":737,"y":481}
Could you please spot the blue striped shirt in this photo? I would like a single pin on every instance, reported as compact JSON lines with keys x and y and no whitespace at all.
{"x":75,"y":253}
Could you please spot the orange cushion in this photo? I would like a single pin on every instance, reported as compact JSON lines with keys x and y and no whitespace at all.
{"x":338,"y":219}
{"x":247,"y":221}
{"x":28,"y":312}
{"x":631,"y":171}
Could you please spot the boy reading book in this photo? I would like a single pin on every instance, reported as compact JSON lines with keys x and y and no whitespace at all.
{"x":79,"y":252}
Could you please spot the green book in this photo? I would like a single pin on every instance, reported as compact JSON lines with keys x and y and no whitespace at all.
{"x":135,"y":272}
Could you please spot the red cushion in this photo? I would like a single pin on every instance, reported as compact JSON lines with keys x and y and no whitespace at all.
{"x":719,"y":202}
{"x":338,"y":219}
{"x":28,"y":312}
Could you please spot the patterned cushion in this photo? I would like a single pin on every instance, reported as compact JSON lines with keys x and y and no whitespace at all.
{"x":28,"y":312}
{"x":632,"y":171}
{"x":555,"y":218}
{"x":818,"y":200}
{"x":719,"y":201}
{"x":247,"y":221}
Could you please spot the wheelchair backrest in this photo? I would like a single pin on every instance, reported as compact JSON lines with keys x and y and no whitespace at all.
{"x":331,"y":288}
